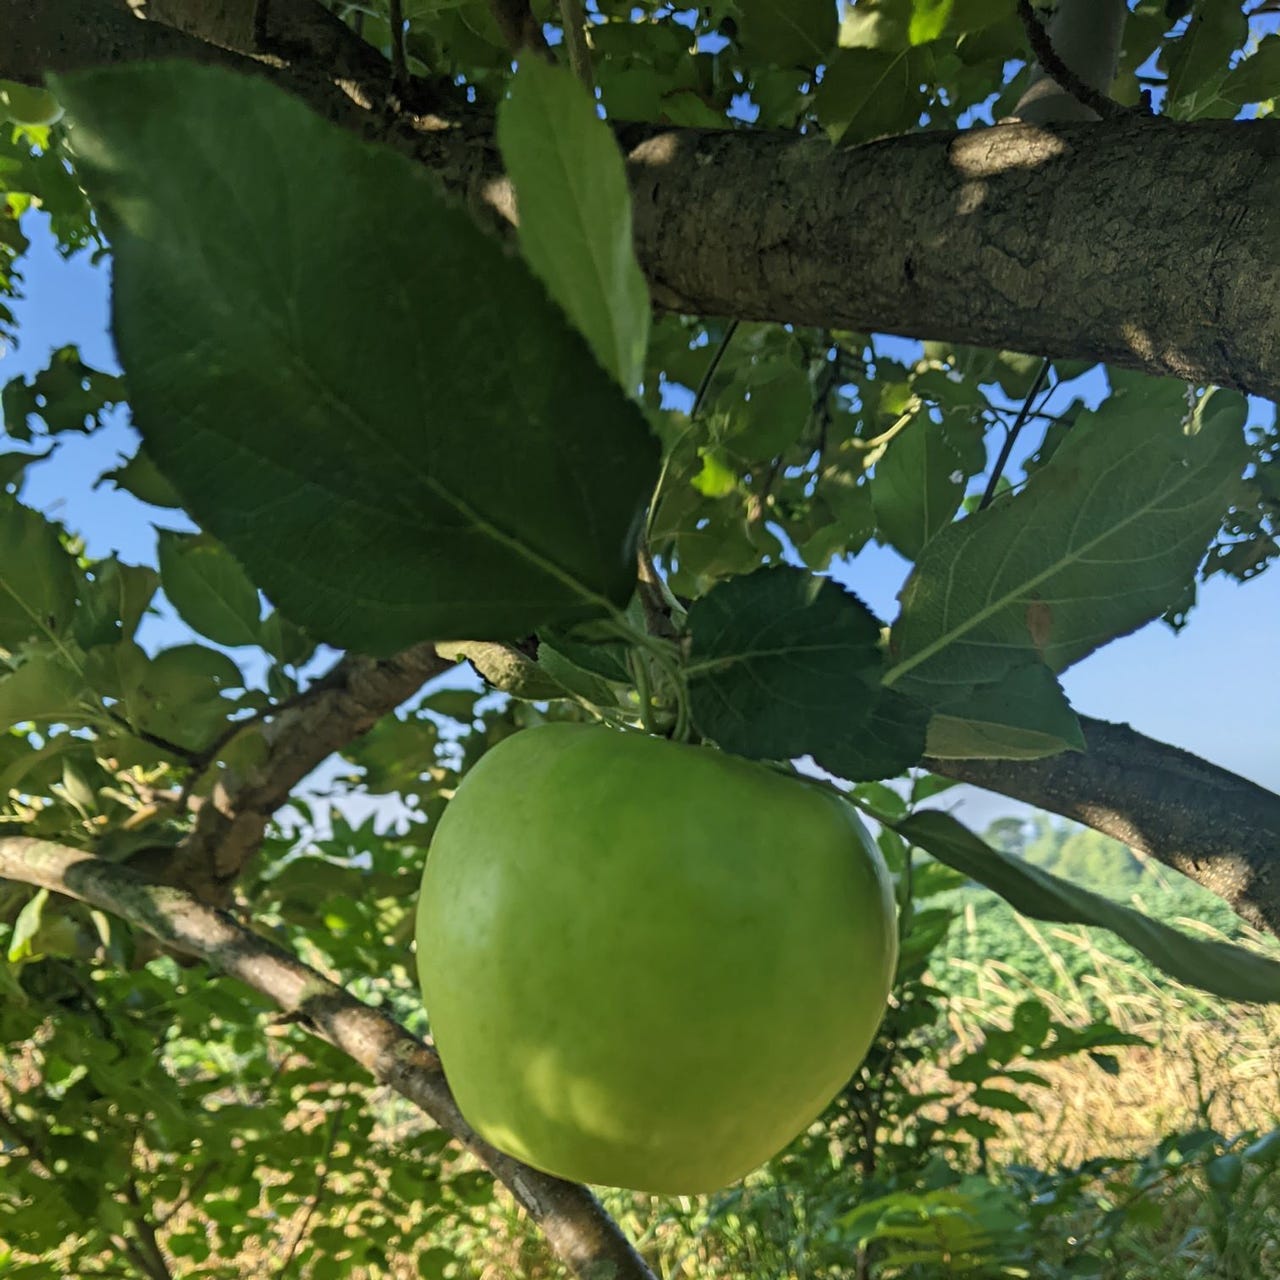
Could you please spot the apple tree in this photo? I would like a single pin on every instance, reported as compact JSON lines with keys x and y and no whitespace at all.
{"x":495,"y":364}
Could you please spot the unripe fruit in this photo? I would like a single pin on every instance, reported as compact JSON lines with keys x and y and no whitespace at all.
{"x":646,"y":964}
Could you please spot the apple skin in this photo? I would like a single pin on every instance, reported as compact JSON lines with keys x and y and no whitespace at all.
{"x":26,"y":105}
{"x":645,"y":964}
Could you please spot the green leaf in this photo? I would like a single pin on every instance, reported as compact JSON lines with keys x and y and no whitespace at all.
{"x":786,"y":33}
{"x":455,"y":463}
{"x":284,"y":641}
{"x":208,"y":588}
{"x":1257,"y":77}
{"x":928,"y":19}
{"x":26,"y":926}
{"x":774,"y":411}
{"x":113,"y":598}
{"x":37,"y":577}
{"x":176,"y":695}
{"x":573,"y":679}
{"x":867,"y":93}
{"x":1001,"y":1100}
{"x":44,"y":687}
{"x":608,"y":660}
{"x":575,"y":213}
{"x":68,"y":395}
{"x":717,"y":479}
{"x":785,"y":664}
{"x":1199,"y":57}
{"x":1096,"y":543}
{"x":917,"y":486}
{"x":140,"y":477}
{"x":1023,"y":717}
{"x":1219,"y":967}
{"x":13,"y":468}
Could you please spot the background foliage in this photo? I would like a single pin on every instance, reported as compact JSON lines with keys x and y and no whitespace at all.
{"x":154,"y":1119}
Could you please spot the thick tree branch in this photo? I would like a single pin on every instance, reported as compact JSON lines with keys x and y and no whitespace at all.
{"x":1143,"y":243}
{"x":1217,"y":828}
{"x":340,"y":707}
{"x":577,"y":1229}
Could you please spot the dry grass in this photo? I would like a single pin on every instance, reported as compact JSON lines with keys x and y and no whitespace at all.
{"x":1221,"y":1072}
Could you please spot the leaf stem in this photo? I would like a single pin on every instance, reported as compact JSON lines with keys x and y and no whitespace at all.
{"x":1012,"y":434}
{"x":573,"y":14}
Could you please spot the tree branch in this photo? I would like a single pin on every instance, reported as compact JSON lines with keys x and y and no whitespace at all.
{"x":989,"y":237}
{"x":1077,"y":58}
{"x":1217,"y":828}
{"x":338,"y":708}
{"x":577,"y":1229}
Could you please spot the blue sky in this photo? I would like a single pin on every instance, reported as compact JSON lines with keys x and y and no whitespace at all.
{"x":1210,"y":689}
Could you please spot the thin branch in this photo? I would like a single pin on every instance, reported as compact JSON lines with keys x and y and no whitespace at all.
{"x":399,"y":68}
{"x":185,"y":754}
{"x":573,"y":18}
{"x":710,"y":372}
{"x":1012,"y":434}
{"x":518,"y":26}
{"x":1042,"y":46}
{"x":313,"y":1200}
{"x":578,"y":1230}
{"x":148,"y":1245}
{"x":334,"y":711}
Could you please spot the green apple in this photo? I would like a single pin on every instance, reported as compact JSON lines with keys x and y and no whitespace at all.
{"x":26,"y":105}
{"x":646,"y":964}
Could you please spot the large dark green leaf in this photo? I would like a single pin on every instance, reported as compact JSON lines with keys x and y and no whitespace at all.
{"x":1098,"y":542}
{"x":369,"y":401}
{"x":1220,"y":967}
{"x":575,"y":213}
{"x":786,"y":664}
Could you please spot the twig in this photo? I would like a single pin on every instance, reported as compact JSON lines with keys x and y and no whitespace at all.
{"x":518,"y":26}
{"x":578,"y":1230}
{"x":573,"y":17}
{"x":1012,"y":434}
{"x":399,"y":68}
{"x":313,"y":1200}
{"x":334,"y":711}
{"x":705,"y":385}
{"x":1042,"y":46}
{"x":185,"y":754}
{"x":148,"y":1245}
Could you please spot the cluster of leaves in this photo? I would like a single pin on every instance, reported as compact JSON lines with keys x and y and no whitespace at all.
{"x":143,"y":1109}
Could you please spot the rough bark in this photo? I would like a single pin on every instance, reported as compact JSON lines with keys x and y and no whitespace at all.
{"x":1216,"y":827}
{"x":576,"y":1227}
{"x":1147,"y":243}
